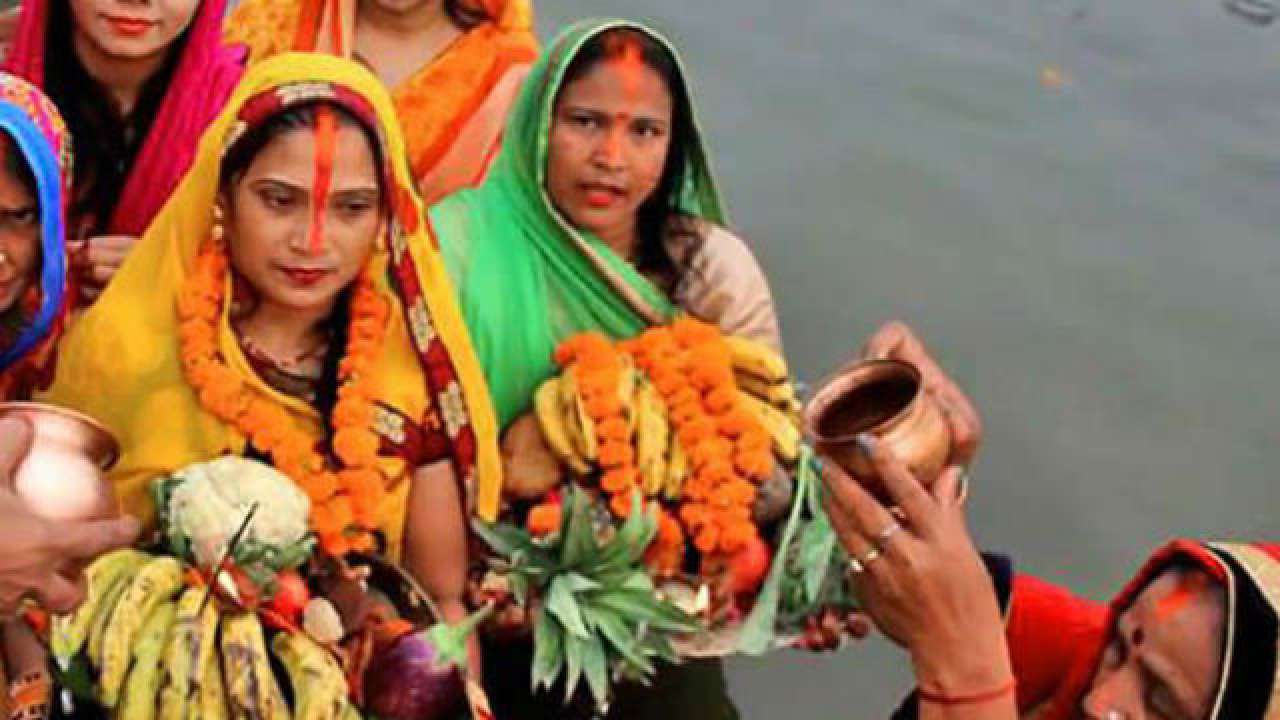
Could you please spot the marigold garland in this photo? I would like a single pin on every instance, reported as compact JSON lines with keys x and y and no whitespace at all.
{"x":598,"y":369}
{"x":345,"y":501}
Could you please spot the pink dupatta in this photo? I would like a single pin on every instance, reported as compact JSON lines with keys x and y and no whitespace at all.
{"x":204,"y":77}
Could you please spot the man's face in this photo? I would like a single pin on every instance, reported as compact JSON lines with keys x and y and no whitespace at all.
{"x":1165,"y":656}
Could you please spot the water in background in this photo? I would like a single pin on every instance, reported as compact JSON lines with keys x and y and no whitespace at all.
{"x":1077,"y":203}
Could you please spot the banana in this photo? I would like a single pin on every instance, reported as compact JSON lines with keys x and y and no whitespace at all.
{"x":757,"y":359}
{"x":143,"y":685}
{"x":251,"y":687}
{"x":211,"y":702}
{"x":319,"y":687}
{"x":582,"y":429}
{"x":102,"y":617}
{"x":783,"y":432}
{"x":188,"y":654}
{"x":551,"y":419}
{"x":781,"y":395}
{"x":627,"y":390}
{"x":653,"y":435}
{"x":68,"y":633}
{"x":677,"y":469}
{"x":158,"y":580}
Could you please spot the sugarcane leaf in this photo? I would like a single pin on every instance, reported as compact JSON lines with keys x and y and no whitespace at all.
{"x":562,"y":603}
{"x":579,"y":535}
{"x":548,"y":650}
{"x":758,"y":631}
{"x":596,"y":668}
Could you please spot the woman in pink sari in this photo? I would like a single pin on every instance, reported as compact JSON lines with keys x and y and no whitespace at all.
{"x":137,"y":83}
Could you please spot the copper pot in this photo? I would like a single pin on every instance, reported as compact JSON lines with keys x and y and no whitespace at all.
{"x":886,"y":399}
{"x":63,"y":474}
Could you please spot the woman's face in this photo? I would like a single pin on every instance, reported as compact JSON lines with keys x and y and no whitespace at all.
{"x":1165,"y":657}
{"x":19,"y":238}
{"x":609,"y":137}
{"x":272,"y":209}
{"x":132,"y":29}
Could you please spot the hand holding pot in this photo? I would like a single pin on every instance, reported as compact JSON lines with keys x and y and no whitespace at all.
{"x":36,"y":547}
{"x":897,"y":341}
{"x":919,"y":576}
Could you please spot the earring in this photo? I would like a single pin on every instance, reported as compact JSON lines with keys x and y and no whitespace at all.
{"x":4,"y":258}
{"x":218,"y":231}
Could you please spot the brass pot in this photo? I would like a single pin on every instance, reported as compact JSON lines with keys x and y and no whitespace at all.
{"x":885,"y":399}
{"x":63,"y":474}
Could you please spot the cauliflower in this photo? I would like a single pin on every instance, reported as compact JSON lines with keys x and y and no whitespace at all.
{"x":202,"y":506}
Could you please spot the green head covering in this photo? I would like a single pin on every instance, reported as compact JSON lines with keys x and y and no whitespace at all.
{"x":528,"y":279}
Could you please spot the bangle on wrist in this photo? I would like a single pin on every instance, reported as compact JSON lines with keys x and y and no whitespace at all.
{"x":976,"y":698}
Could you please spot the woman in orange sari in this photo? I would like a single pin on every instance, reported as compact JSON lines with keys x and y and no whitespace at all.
{"x":453,"y":66}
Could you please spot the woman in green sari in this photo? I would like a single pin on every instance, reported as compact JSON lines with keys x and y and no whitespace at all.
{"x":599,"y":214}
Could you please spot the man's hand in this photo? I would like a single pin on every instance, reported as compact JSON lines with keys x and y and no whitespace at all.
{"x":35,"y":548}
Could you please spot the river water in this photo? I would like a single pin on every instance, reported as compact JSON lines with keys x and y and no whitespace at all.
{"x":1078,"y":205}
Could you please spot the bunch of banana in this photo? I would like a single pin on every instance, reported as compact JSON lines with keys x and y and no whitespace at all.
{"x":761,"y":372}
{"x":567,"y":427}
{"x":105,"y":577}
{"x":318,"y":682}
{"x":143,"y":684}
{"x":158,"y":581}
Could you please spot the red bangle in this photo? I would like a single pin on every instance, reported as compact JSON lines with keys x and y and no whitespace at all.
{"x":971,"y":699}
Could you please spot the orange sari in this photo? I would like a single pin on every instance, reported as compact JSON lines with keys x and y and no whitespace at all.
{"x":452,"y":110}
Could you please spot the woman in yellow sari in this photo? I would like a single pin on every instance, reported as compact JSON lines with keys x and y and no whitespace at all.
{"x":454,"y":67}
{"x":288,"y":305}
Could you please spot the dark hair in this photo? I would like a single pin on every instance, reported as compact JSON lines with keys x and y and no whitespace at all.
{"x":17,"y":166}
{"x":659,"y":215}
{"x":299,"y":117}
{"x":102,"y":164}
{"x":466,"y":14}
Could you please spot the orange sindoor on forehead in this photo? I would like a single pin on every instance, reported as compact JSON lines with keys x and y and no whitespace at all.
{"x":1177,"y":599}
{"x":326,"y":140}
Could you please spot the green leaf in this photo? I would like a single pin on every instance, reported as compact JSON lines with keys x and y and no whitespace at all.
{"x":562,"y":603}
{"x":580,"y":583}
{"x":625,"y":640}
{"x":519,"y":584}
{"x":758,"y":630}
{"x":505,"y":539}
{"x":548,"y":650}
{"x":816,"y":545}
{"x":637,"y":606}
{"x":593,"y":662}
{"x":574,"y":650}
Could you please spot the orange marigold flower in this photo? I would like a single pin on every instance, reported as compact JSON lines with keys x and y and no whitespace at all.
{"x":757,"y":464}
{"x":667,"y":381}
{"x":322,"y":520}
{"x":340,"y":506}
{"x":695,"y":515}
{"x":352,"y":414}
{"x":754,"y":440}
{"x":544,"y":519}
{"x":721,"y":399}
{"x":735,"y":536}
{"x":709,"y":449}
{"x":696,"y":431}
{"x":697,"y":488}
{"x":614,"y":428}
{"x":708,"y":539}
{"x":737,"y":513}
{"x":356,"y":446}
{"x":319,"y":487}
{"x":619,"y":480}
{"x":601,"y":408}
{"x":684,"y":413}
{"x":615,"y":454}
{"x":621,"y":504}
{"x":689,"y":331}
{"x":335,"y":544}
{"x":685,"y":396}
{"x":362,"y":543}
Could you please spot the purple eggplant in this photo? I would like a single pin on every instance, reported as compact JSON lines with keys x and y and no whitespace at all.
{"x":420,"y":676}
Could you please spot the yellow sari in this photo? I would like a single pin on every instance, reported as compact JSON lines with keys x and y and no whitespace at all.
{"x":452,"y":110}
{"x":122,"y":364}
